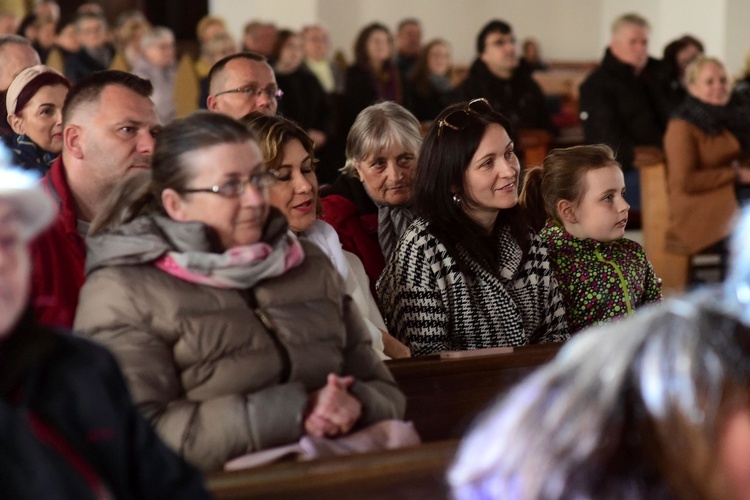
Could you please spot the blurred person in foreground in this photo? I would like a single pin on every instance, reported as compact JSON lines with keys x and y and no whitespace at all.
{"x":69,"y":427}
{"x":655,"y":406}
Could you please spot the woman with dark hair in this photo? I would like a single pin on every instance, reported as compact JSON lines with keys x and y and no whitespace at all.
{"x":678,"y":55}
{"x":374,"y":75}
{"x":34,"y":103}
{"x":469,"y":274}
{"x":233,"y":334}
{"x":305,"y":101}
{"x":430,"y":86}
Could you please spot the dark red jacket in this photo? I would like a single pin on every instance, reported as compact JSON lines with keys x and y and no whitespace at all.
{"x":348,"y":208}
{"x":58,"y":257}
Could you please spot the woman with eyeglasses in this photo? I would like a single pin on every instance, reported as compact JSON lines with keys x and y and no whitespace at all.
{"x":234,"y":335}
{"x":369,"y":205}
{"x":469,"y":274}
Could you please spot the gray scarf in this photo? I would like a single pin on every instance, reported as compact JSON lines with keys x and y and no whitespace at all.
{"x":392,"y":222}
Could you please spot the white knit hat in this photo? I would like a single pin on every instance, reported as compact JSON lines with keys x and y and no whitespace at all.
{"x":20,"y":189}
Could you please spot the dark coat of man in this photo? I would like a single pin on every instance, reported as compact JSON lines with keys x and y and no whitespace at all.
{"x":520,"y":99}
{"x":622,"y":109}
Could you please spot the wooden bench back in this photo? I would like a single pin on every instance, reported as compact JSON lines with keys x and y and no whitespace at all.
{"x":443,"y":396}
{"x":186,"y":87}
{"x":417,"y":472}
{"x":673,"y":269}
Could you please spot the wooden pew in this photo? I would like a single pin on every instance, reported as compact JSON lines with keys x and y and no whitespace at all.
{"x":56,"y":60}
{"x":444,"y":395}
{"x":673,"y":269}
{"x":187,"y":87}
{"x":534,"y":145}
{"x":119,"y":62}
{"x":416,"y":472}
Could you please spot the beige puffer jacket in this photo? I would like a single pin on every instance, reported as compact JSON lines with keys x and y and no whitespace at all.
{"x":217,"y":376}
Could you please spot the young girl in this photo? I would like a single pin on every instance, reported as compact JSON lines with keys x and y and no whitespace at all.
{"x":579,"y":192}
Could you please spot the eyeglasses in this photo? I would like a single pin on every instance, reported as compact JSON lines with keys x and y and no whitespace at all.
{"x":271,"y":91}
{"x":459,"y":119}
{"x":234,"y":188}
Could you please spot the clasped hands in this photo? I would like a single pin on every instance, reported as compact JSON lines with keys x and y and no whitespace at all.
{"x":332,"y":411}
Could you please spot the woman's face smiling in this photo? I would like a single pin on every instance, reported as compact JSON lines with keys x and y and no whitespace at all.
{"x":491,"y":178}
{"x":295,"y":192}
{"x":387,"y":175}
{"x":237,"y":221}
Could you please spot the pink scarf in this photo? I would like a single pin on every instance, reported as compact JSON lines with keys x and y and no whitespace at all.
{"x":238,"y":267}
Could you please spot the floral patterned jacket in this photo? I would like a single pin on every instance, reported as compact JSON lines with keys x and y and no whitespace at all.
{"x":599,"y":281}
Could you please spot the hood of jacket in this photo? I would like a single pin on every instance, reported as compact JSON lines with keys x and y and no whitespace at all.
{"x":562,"y":242}
{"x":148,"y":237}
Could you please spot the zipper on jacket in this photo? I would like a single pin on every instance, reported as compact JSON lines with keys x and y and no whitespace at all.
{"x":623,"y":282}
{"x":286,"y":362}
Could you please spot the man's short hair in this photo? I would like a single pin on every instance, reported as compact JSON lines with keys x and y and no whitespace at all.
{"x":85,"y":16}
{"x":407,"y":22}
{"x":218,"y":66}
{"x":90,"y":88}
{"x":630,"y":18}
{"x":494,"y":26}
{"x":13,"y":40}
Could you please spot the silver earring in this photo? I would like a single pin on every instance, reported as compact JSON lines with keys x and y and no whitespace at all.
{"x":456,"y":199}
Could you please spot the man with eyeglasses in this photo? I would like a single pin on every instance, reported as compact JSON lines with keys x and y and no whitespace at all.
{"x":242,"y":83}
{"x":496,"y":76}
{"x":109,"y":126}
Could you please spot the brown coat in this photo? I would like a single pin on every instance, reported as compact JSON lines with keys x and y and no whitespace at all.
{"x":202,"y":364}
{"x":701,"y":181}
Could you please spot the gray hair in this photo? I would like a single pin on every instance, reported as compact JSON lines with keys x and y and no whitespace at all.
{"x":629,"y":410}
{"x":377,"y":128}
{"x":155,"y":35}
{"x":13,"y":40}
{"x":630,"y":18}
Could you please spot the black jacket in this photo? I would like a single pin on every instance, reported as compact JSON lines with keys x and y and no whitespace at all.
{"x":519,"y":99}
{"x":304,"y":102}
{"x":623,"y":110}
{"x":80,"y":64}
{"x":68,"y":424}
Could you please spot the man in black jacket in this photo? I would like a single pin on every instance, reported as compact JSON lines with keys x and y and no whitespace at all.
{"x":497,"y":76}
{"x":621,"y":104}
{"x":67,"y":426}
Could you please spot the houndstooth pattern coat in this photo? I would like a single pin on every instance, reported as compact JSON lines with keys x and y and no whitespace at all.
{"x":431,"y":306}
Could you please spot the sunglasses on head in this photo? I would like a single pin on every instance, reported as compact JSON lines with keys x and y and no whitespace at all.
{"x":459,"y":119}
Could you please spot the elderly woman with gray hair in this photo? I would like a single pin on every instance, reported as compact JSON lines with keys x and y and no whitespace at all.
{"x":369,"y":204}
{"x":158,"y":63}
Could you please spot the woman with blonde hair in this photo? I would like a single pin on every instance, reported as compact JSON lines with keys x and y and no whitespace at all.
{"x":707,"y":144}
{"x":289,"y":152}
